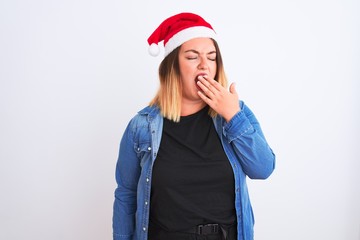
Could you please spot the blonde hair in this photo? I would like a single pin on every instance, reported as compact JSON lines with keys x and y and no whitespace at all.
{"x":169,"y":95}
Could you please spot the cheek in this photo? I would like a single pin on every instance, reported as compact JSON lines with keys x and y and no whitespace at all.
{"x":187,"y":69}
{"x":187,"y":81}
{"x":213,"y":70}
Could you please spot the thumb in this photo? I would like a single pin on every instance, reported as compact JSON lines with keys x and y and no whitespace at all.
{"x":232,"y":88}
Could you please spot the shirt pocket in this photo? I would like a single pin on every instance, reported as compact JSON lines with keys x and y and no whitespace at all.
{"x":143,"y":152}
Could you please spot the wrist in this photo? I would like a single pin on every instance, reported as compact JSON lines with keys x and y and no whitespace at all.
{"x":230,"y":115}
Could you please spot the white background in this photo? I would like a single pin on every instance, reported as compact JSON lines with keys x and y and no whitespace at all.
{"x":74,"y":72}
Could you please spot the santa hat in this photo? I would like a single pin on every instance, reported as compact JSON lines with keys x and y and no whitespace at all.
{"x":178,"y":29}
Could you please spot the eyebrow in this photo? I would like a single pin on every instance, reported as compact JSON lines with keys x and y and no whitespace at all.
{"x":197,"y":52}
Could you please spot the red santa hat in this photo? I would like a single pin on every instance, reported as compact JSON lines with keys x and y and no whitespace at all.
{"x":178,"y":29}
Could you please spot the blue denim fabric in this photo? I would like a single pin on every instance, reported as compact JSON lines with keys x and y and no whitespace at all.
{"x":244,"y":145}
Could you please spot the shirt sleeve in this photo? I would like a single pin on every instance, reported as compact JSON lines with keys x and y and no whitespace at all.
{"x":127,"y":175}
{"x":244,"y":133}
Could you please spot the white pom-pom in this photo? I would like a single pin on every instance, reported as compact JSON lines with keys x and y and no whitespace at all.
{"x":154,"y":50}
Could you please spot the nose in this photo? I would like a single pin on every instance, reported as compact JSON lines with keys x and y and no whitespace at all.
{"x":202,"y":63}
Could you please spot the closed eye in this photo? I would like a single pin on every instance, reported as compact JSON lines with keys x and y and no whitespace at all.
{"x":193,"y":55}
{"x":212,"y":56}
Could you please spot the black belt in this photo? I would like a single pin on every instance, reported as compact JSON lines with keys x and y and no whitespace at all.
{"x":204,"y":229}
{"x":208,"y":229}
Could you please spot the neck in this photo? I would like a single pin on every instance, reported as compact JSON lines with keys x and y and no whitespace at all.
{"x":188,"y":108}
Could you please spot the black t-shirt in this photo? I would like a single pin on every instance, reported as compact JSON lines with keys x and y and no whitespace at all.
{"x":192,"y":181}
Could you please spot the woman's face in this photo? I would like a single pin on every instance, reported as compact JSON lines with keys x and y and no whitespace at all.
{"x":196,"y":57}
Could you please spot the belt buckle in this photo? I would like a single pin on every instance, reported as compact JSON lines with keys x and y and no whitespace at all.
{"x":208,"y":229}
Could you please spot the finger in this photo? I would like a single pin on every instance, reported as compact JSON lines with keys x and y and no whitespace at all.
{"x":204,"y":97}
{"x":208,"y":83}
{"x":232,"y":88}
{"x":216,"y":85}
{"x":206,"y":88}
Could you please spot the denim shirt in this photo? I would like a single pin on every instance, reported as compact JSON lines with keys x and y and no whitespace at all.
{"x":244,"y":145}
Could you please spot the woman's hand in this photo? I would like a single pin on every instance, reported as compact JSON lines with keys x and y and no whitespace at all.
{"x":224,"y":102}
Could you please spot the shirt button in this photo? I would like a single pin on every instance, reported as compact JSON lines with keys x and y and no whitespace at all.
{"x":149,"y":148}
{"x":147,"y":179}
{"x":146,"y":203}
{"x":138,"y":149}
{"x":144,"y":229}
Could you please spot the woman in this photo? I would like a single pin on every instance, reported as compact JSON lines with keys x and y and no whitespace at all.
{"x":184,"y":159}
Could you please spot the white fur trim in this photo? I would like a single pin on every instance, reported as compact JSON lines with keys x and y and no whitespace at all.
{"x":187,"y":34}
{"x":154,"y":50}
